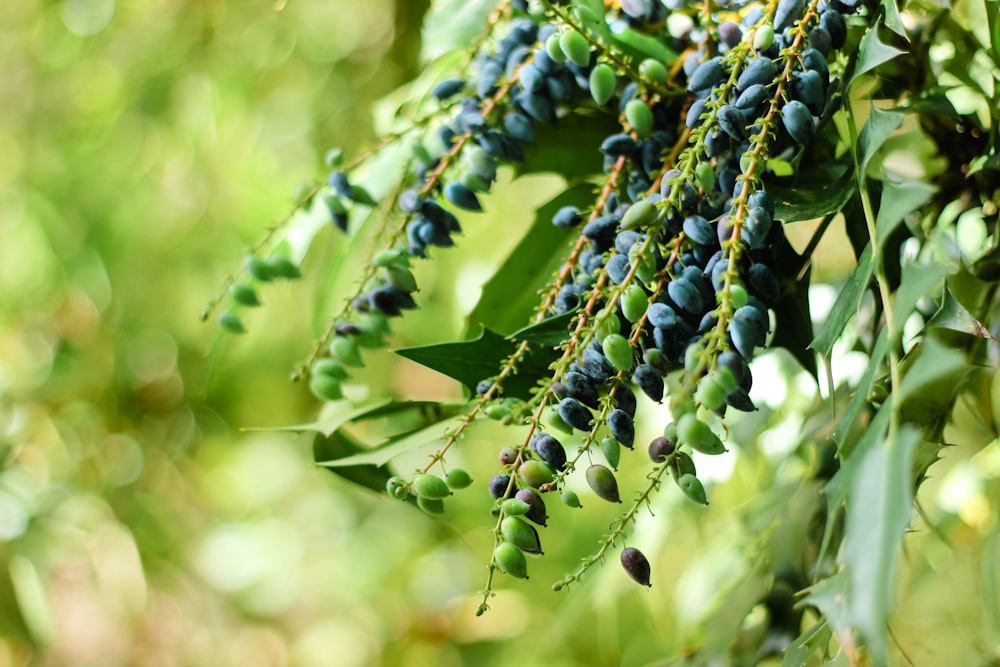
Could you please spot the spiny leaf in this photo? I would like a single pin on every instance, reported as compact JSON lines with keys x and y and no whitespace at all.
{"x":846,"y":305}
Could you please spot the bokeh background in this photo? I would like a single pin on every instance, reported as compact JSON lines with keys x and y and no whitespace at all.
{"x":144,"y":146}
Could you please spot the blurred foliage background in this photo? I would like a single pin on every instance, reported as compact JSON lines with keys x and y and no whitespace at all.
{"x":144,"y":145}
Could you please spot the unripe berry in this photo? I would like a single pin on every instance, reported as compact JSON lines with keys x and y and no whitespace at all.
{"x":430,"y":486}
{"x":603,"y":483}
{"x":521,"y":534}
{"x":511,"y":560}
{"x":456,"y":478}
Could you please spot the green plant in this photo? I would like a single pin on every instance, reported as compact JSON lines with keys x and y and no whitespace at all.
{"x":692,"y":142}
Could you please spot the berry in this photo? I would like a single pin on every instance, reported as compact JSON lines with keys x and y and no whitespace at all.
{"x":603,"y":483}
{"x":510,"y":560}
{"x":636,"y":565}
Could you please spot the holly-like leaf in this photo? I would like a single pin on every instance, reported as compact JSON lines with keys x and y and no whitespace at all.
{"x":339,"y":445}
{"x":475,"y":360}
{"x":933,"y":374}
{"x":452,"y":24}
{"x":551,"y":331}
{"x":878,"y":127}
{"x":510,"y":296}
{"x":952,"y":315}
{"x":846,"y":305}
{"x":812,"y":641}
{"x":827,"y":194}
{"x":917,"y":281}
{"x":898,"y":200}
{"x":385,"y":451}
{"x":873,"y":52}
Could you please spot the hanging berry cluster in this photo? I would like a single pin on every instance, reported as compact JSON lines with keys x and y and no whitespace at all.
{"x":672,"y":274}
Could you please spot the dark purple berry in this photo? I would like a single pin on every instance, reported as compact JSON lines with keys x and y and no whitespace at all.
{"x":636,"y":565}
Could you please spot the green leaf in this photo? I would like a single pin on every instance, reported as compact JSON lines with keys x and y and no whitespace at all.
{"x":878,"y":127}
{"x":640,"y":45}
{"x":891,"y":17}
{"x":873,"y":52}
{"x":933,"y":374}
{"x":898,"y":200}
{"x":475,"y":360}
{"x":860,"y":398}
{"x":846,"y":305}
{"x":953,"y":316}
{"x":510,"y":296}
{"x":339,"y":445}
{"x":917,"y":281}
{"x":32,"y":601}
{"x":390,"y":448}
{"x":452,"y":24}
{"x":551,"y":331}
{"x":877,"y":517}
{"x":830,"y":597}
{"x":812,"y":196}
{"x":813,"y":641}
{"x":993,"y":16}
{"x":565,"y":151}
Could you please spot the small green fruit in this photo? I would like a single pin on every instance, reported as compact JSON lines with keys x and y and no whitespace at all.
{"x":397,"y":488}
{"x":430,"y":486}
{"x":618,"y":352}
{"x":633,"y":303}
{"x":653,"y":71}
{"x":576,"y":48}
{"x":325,"y":387}
{"x":612,"y":451}
{"x":536,"y":473}
{"x":456,"y":478}
{"x":521,"y":534}
{"x":571,"y":499}
{"x":231,"y":322}
{"x":603,"y":483}
{"x":283,"y":267}
{"x":602,"y":83}
{"x":330,"y":368}
{"x":693,"y":489}
{"x":511,"y":560}
{"x":515,"y":507}
{"x":346,"y":350}
{"x":698,"y":435}
{"x":431,"y":505}
{"x":244,"y":294}
{"x":639,"y":116}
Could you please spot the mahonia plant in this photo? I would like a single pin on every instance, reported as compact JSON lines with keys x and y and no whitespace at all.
{"x":714,"y":124}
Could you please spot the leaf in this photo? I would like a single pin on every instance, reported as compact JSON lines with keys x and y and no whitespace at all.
{"x":812,"y":641}
{"x":339,"y":414}
{"x":878,"y":127}
{"x":452,"y":24}
{"x":550,"y":331}
{"x":860,"y":398}
{"x":32,"y":601}
{"x":846,"y":305}
{"x":793,"y":323}
{"x":993,"y":16}
{"x":830,"y":596}
{"x":475,"y":360}
{"x":802,"y":202}
{"x":953,"y":316}
{"x":898,"y":200}
{"x":917,"y":281}
{"x":877,"y":517}
{"x":932,"y":376}
{"x":339,"y":445}
{"x":873,"y":52}
{"x":641,"y":46}
{"x":510,"y":296}
{"x":566,"y":149}
{"x":389,"y":449}
{"x":891,"y":17}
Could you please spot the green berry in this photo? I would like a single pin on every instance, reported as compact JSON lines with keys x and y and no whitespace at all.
{"x":640,"y":214}
{"x":430,"y":486}
{"x":692,"y":488}
{"x":602,"y":83}
{"x":334,"y":158}
{"x":521,"y":534}
{"x":283,"y":267}
{"x":346,"y":350}
{"x":682,"y":465}
{"x":325,"y":387}
{"x":698,"y":435}
{"x":258,"y":268}
{"x":456,"y":478}
{"x":536,"y":473}
{"x":400,"y":277}
{"x":390,"y":257}
{"x":603,"y":483}
{"x":397,"y":488}
{"x":634,"y":303}
{"x":612,"y":451}
{"x":576,"y":48}
{"x":618,"y":352}
{"x":706,"y":176}
{"x":710,"y":393}
{"x":515,"y":507}
{"x":763,"y":37}
{"x":331,"y":368}
{"x":231,"y":322}
{"x":571,"y":499}
{"x":725,"y":378}
{"x":639,"y":116}
{"x":737,"y":296}
{"x":554,"y":50}
{"x":653,"y":71}
{"x":431,"y":505}
{"x":511,"y":560}
{"x":244,"y":294}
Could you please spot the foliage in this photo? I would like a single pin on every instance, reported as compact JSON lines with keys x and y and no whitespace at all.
{"x":796,"y":403}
